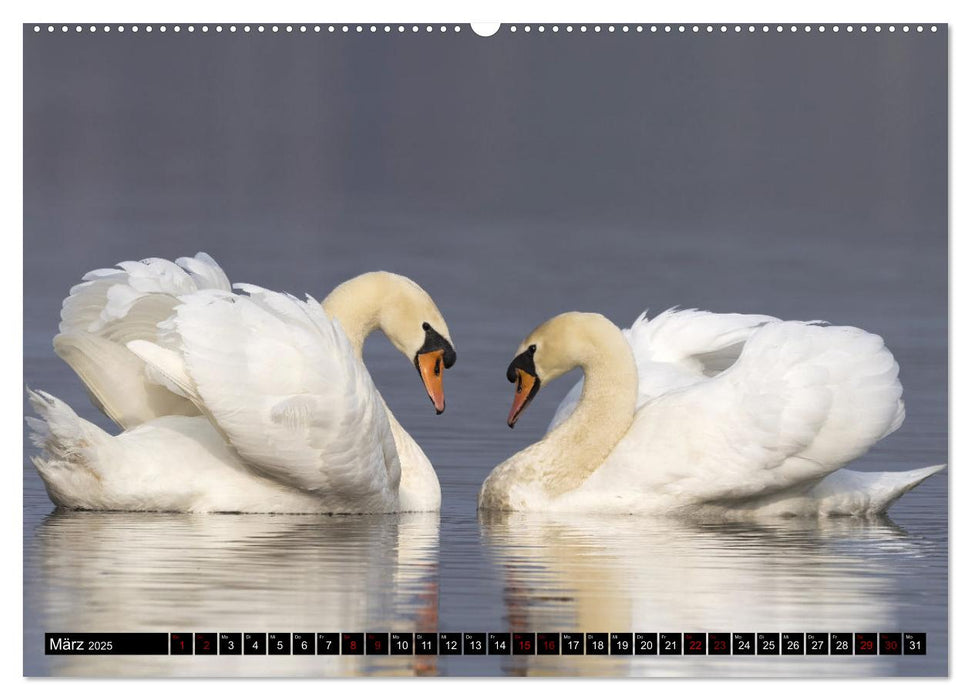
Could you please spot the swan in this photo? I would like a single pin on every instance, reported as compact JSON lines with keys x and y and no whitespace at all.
{"x":237,"y":402}
{"x":701,"y":413}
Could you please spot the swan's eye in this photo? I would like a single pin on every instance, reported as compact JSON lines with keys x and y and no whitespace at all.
{"x":532,"y":348}
{"x":426,"y":326}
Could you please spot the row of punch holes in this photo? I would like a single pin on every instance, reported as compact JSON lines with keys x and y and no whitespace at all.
{"x":513,"y":28}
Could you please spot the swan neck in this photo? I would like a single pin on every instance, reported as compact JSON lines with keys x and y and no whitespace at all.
{"x":357,"y":304}
{"x":602,"y":417}
{"x":418,"y":489}
{"x":570,"y":453}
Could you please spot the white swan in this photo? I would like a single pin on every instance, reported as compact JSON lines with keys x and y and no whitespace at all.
{"x":697,"y":412}
{"x":254,"y":402}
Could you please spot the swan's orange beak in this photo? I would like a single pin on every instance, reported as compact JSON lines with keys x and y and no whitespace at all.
{"x":526,"y":387}
{"x":431,"y":365}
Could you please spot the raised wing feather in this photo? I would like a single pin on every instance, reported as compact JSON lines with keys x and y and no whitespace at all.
{"x":801,"y":401}
{"x":678,"y":348}
{"x":279,"y":379}
{"x":112,"y":307}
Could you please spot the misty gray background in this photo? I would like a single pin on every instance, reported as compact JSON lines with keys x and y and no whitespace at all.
{"x":514,"y":177}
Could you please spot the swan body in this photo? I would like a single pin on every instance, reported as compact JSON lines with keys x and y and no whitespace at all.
{"x":694,"y":412}
{"x":252,"y":402}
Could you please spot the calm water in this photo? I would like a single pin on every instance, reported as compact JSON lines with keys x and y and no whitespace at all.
{"x":514,"y":178}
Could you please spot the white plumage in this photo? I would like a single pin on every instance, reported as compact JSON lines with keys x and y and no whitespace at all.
{"x":231,"y":402}
{"x":735,"y":414}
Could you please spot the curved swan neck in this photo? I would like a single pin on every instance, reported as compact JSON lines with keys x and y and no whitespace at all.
{"x":569,"y":454}
{"x":396,"y":306}
{"x":603,"y":416}
{"x":357,"y":305}
{"x":419,"y":489}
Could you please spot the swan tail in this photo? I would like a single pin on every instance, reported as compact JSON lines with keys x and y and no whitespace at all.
{"x":69,"y":447}
{"x":847,"y":492}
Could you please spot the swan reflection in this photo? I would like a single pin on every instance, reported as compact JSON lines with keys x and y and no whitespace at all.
{"x":619,"y":574}
{"x":121,"y":572}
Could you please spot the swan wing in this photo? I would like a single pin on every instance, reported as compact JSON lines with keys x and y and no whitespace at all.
{"x":678,"y":348}
{"x":801,"y":401}
{"x":112,"y":307}
{"x":700,"y":341}
{"x":279,"y":379}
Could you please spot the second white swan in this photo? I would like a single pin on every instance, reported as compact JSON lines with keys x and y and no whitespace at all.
{"x":704,"y":413}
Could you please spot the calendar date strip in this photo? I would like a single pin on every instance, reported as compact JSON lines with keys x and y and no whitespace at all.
{"x":488,"y":643}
